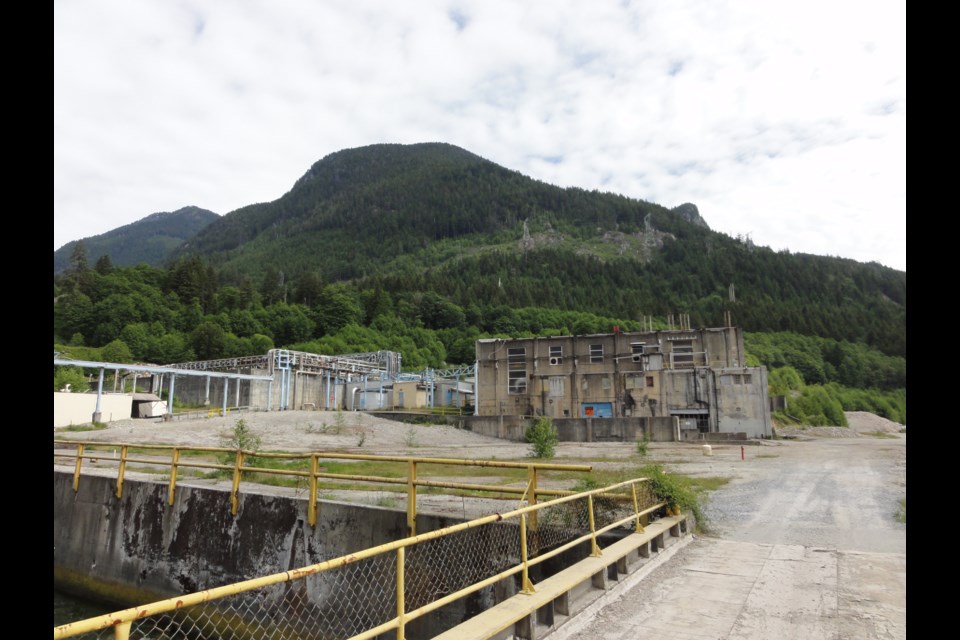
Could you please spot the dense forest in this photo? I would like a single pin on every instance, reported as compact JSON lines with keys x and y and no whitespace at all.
{"x":163,"y":316}
{"x":423,"y":249}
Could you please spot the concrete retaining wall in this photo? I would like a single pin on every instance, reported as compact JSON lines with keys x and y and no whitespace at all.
{"x":137,"y":549}
{"x":660,"y":429}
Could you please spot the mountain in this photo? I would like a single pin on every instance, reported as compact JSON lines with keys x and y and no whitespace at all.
{"x":369,"y":206}
{"x":433,"y":217}
{"x":148,"y":240}
{"x":434,"y":235}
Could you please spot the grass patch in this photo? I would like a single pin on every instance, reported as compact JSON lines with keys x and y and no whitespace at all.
{"x":706,"y":485}
{"x":879,"y":434}
{"x":901,"y":514}
{"x":425,"y":420}
{"x":767,"y":455}
{"x":94,"y":426}
{"x":685,"y":492}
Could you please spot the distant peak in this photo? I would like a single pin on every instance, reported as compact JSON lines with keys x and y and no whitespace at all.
{"x":691,"y":214}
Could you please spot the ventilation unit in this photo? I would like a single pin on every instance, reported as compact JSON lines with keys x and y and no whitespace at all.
{"x":554,"y":360}
{"x":636,"y":357}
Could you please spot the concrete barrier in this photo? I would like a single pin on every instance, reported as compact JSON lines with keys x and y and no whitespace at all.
{"x":138,"y":549}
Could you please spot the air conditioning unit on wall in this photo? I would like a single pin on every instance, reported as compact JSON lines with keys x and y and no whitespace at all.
{"x":636,"y":357}
{"x":554,"y":360}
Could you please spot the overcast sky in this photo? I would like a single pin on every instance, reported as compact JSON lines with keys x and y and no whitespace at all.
{"x":783,"y":122}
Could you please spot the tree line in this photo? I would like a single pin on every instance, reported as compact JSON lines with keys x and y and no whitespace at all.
{"x":183,"y":313}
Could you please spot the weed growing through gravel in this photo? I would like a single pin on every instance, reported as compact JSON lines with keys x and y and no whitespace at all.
{"x":339,"y":422}
{"x":643,"y":446}
{"x":410,"y":438}
{"x":901,"y":514}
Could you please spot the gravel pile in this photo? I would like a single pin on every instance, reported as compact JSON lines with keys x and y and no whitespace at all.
{"x":861,"y":424}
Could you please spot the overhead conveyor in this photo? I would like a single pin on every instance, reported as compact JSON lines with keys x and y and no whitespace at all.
{"x":173,"y":372}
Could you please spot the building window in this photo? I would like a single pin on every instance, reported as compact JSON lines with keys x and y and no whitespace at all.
{"x":517,"y":370}
{"x":736,"y":378}
{"x":682,"y":353}
{"x":596,"y":353}
{"x":556,"y":355}
{"x":649,"y":381}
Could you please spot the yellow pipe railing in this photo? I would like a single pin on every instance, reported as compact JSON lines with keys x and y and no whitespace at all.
{"x":238,"y":468}
{"x":400,"y":594}
{"x":120,"y":621}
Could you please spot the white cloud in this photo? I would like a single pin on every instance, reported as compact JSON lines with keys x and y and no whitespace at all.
{"x":786,"y":122}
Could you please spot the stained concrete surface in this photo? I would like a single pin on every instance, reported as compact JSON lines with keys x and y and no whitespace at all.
{"x":807,"y":548}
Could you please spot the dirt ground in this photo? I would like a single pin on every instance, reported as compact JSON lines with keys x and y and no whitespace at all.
{"x":366,"y":433}
{"x":361,"y":433}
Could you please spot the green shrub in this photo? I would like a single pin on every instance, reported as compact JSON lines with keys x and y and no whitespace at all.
{"x":643,"y":446}
{"x":62,"y":376}
{"x":339,"y":422}
{"x":676,"y":491}
{"x":241,"y":437}
{"x":410,"y":438}
{"x":542,"y":434}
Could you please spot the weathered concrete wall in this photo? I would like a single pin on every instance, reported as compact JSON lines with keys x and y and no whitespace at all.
{"x":505,"y":427}
{"x":78,"y":408}
{"x":742,"y":404}
{"x":693,"y":435}
{"x":660,"y":429}
{"x":138,"y":549}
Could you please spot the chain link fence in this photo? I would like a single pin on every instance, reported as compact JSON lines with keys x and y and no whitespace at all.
{"x":357,"y":595}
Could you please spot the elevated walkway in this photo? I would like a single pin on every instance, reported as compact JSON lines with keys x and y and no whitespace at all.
{"x":559,"y":598}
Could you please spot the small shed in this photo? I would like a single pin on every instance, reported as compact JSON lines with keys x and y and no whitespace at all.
{"x":148,"y":405}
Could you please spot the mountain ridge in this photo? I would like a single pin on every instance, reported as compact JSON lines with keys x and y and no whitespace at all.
{"x":149,"y":240}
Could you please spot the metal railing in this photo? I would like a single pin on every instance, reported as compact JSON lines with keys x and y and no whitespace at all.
{"x":238,"y":467}
{"x":371,"y":592}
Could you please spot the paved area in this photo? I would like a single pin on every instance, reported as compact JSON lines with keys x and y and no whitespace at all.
{"x":807,"y":548}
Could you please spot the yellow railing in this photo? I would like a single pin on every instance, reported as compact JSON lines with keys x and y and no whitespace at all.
{"x":531,"y":492}
{"x":364,"y":594}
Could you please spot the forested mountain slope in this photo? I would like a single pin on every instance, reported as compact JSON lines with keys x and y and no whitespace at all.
{"x":148,"y":241}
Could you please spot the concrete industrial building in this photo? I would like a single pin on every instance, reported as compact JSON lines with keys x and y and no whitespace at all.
{"x":698,"y":376}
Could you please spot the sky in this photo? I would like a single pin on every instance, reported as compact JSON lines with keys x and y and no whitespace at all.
{"x":785,"y":123}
